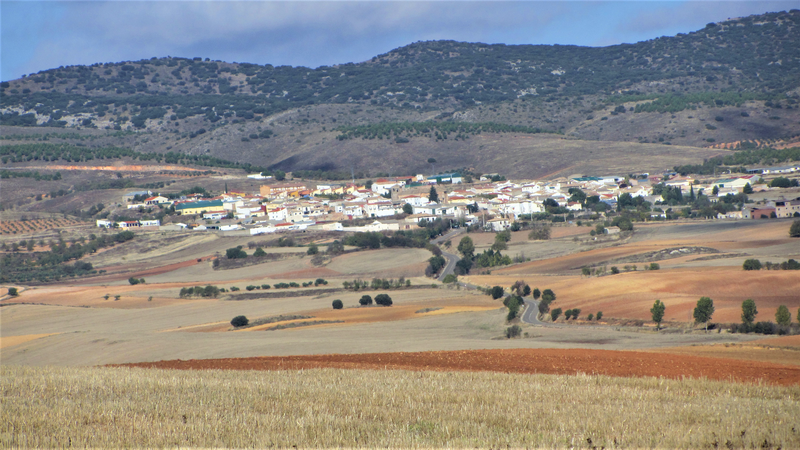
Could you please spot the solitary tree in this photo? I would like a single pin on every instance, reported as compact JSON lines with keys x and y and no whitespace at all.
{"x":466,"y":247}
{"x":749,"y":311}
{"x":704,"y":310}
{"x":599,"y":315}
{"x":337,"y":304}
{"x":408,"y":209}
{"x":794,"y":230}
{"x":782,"y":316}
{"x":12,"y":291}
{"x":536,"y":293}
{"x":555,"y":313}
{"x":433,"y":196}
{"x":497,"y":292}
{"x":747,"y":189}
{"x":239,"y":321}
{"x":432,"y":161}
{"x":383,"y":300}
{"x":548,"y":295}
{"x":658,"y":313}
{"x":313,"y":249}
{"x":365,"y":300}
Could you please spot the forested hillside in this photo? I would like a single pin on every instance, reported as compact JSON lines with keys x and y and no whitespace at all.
{"x":743,"y":74}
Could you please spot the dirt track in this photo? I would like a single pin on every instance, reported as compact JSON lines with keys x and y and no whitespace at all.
{"x":547,"y":361}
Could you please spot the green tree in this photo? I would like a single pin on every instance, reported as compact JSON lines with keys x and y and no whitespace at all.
{"x":313,"y":249}
{"x":751,"y":264}
{"x":536,"y":293}
{"x":337,"y":304}
{"x":703,"y":311}
{"x":782,"y":316}
{"x":433,"y":196}
{"x":12,"y":291}
{"x":657,"y":312}
{"x":499,"y":243}
{"x":526,"y":290}
{"x":539,"y":232}
{"x":749,"y":311}
{"x":747,"y":189}
{"x":794,"y":230}
{"x":554,"y":314}
{"x":259,"y":252}
{"x":383,"y":300}
{"x":497,"y":292}
{"x":513,"y":331}
{"x":365,"y":300}
{"x":450,"y":278}
{"x":133,"y":281}
{"x":599,"y":315}
{"x":235,"y":253}
{"x":548,"y":295}
{"x":239,"y":321}
{"x":466,"y":247}
{"x":408,"y":209}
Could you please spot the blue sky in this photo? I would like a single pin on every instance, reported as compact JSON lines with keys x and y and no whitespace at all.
{"x":39,"y":35}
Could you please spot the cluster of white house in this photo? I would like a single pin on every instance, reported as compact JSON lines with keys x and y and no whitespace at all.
{"x":294,"y":206}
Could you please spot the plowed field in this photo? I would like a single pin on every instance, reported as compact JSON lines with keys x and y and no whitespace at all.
{"x":546,"y":361}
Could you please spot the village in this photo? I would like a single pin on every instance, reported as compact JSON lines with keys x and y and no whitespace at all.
{"x":398,"y":203}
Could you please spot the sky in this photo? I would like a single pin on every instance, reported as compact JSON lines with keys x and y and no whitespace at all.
{"x":40,"y":35}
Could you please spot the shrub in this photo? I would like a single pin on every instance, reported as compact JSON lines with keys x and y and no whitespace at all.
{"x":751,"y":264}
{"x":259,"y":252}
{"x":383,"y":300}
{"x":614,"y":270}
{"x":365,"y":300}
{"x":12,"y":291}
{"x":337,"y":304}
{"x":539,"y":232}
{"x":239,"y":321}
{"x":312,"y":249}
{"x":234,"y":288}
{"x":133,"y":281}
{"x":450,"y":278}
{"x":264,"y":286}
{"x":513,"y":331}
{"x":654,"y":266}
{"x":251,"y":287}
{"x":320,"y":281}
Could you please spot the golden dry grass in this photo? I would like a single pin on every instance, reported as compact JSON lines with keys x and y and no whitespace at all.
{"x":10,"y":341}
{"x":122,"y":407}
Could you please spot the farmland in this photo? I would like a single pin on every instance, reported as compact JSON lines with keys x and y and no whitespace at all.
{"x":419,"y":353}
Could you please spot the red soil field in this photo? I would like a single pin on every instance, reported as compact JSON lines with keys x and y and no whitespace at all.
{"x":545,"y":361}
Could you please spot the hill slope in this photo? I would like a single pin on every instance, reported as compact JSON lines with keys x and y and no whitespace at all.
{"x":736,"y":80}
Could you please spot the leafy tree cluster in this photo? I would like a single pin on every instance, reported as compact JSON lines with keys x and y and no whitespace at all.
{"x":513,"y":303}
{"x":437,"y":130}
{"x":49,"y":265}
{"x":547,"y":298}
{"x":30,"y":174}
{"x":72,"y":153}
{"x":377,"y":283}
{"x":783,"y":182}
{"x":755,"y":264}
{"x":208,"y":291}
{"x":672,"y":103}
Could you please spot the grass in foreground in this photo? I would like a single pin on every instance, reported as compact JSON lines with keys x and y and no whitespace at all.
{"x":121,"y":407}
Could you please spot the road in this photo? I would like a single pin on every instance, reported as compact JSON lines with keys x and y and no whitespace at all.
{"x":451,"y":258}
{"x":531,"y":314}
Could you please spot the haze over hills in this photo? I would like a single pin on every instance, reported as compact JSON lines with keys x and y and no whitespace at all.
{"x":485,"y":106}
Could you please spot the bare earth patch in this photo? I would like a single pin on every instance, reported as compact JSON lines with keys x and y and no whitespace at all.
{"x":544,"y":361}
